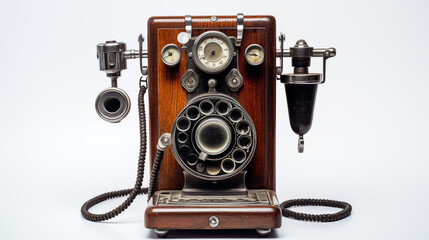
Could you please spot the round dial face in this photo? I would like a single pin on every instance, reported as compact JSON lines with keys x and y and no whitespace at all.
{"x":213,"y":52}
{"x":254,"y":54}
{"x":213,"y":137}
{"x":171,"y":55}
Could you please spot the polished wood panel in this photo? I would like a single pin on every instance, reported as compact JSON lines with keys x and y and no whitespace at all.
{"x":196,"y":216}
{"x":167,"y":97}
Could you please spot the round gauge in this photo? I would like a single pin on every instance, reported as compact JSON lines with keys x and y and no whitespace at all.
{"x":254,"y":54}
{"x":171,"y":55}
{"x":213,"y":52}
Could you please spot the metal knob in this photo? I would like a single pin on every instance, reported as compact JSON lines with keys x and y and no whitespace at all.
{"x":110,"y":56}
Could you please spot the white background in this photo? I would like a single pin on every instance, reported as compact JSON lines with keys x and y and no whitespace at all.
{"x":367,"y":146}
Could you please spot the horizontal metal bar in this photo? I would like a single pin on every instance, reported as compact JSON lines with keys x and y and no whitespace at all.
{"x":317,"y":52}
{"x":324,"y":52}
{"x":131,"y":54}
{"x":286,"y":53}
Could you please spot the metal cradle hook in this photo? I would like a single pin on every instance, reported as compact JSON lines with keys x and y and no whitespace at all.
{"x":143,"y":69}
{"x":143,"y":81}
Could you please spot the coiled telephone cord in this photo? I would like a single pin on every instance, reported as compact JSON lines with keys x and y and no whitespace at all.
{"x":345,"y":212}
{"x":132,"y":192}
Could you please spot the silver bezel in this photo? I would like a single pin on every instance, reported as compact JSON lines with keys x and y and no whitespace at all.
{"x":254,"y":46}
{"x":249,"y":151}
{"x":176,"y":62}
{"x":197,"y":61}
{"x":121,"y":113}
{"x":224,"y":126}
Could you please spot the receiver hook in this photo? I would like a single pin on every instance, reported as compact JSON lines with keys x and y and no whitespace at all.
{"x":143,"y":69}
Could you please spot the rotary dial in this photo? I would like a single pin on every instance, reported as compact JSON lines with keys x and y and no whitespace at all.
{"x":214,"y":52}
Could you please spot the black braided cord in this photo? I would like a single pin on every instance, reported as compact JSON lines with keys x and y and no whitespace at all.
{"x":154,"y":174}
{"x":345,"y":212}
{"x":132,"y":192}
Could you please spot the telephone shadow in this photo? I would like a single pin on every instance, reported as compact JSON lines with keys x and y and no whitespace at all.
{"x":219,"y":233}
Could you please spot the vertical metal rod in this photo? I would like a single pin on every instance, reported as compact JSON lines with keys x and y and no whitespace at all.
{"x":240,"y":28}
{"x":114,"y":81}
{"x":188,"y":25}
{"x":282,"y":39}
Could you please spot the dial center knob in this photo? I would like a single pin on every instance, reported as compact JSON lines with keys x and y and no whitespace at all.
{"x":213,"y":136}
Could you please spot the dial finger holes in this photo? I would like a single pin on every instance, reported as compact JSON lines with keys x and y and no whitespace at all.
{"x":235,"y":115}
{"x":206,"y":107}
{"x":193,"y":113}
{"x":222,"y":107}
{"x":183,"y":124}
{"x":192,"y":159}
{"x":239,"y":155}
{"x":182,"y":137}
{"x":242,"y":127}
{"x":184,"y":150}
{"x":200,"y":167}
{"x":228,"y":165}
{"x":244,"y":141}
{"x":213,"y":168}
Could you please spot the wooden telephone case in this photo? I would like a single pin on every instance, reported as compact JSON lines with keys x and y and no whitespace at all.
{"x":167,"y":98}
{"x":212,"y":106}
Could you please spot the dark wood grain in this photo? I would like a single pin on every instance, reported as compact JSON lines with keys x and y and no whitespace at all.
{"x":167,"y":97}
{"x":230,"y":216}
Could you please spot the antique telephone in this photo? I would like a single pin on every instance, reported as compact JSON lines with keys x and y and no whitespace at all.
{"x":211,"y":83}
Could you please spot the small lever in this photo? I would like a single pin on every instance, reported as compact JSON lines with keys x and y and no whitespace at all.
{"x":281,"y":54}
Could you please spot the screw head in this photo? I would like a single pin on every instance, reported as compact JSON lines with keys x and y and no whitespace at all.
{"x":213,"y":221}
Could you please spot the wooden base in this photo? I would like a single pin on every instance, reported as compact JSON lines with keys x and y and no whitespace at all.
{"x":258,"y":209}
